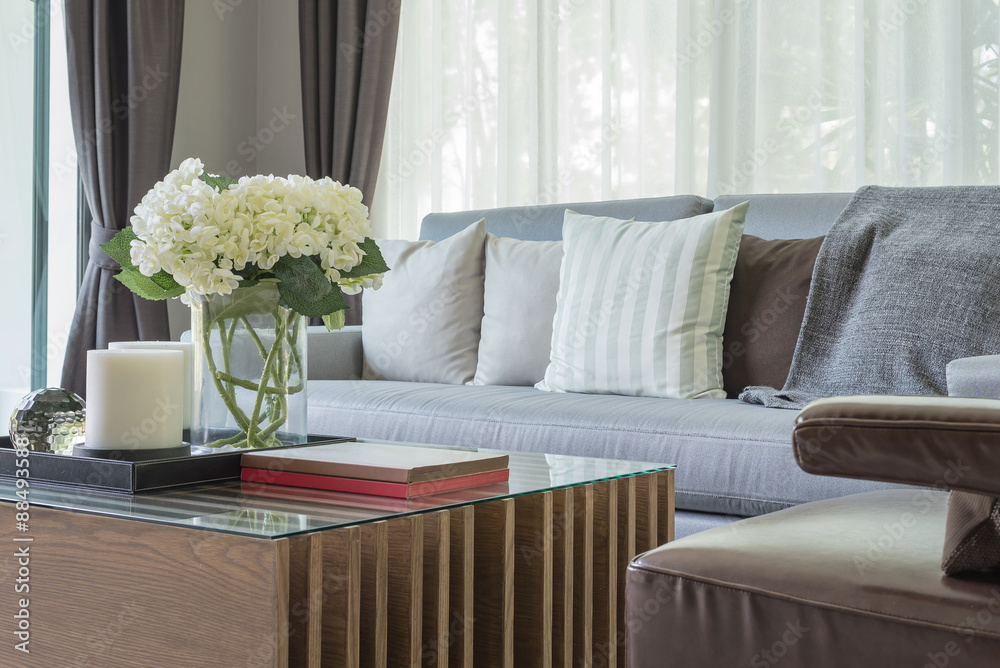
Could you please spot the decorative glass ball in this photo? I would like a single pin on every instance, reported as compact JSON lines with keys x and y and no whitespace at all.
{"x":50,"y":420}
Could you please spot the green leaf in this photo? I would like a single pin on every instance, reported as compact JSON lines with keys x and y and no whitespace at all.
{"x":305,"y":288}
{"x":371,"y":263}
{"x":166,"y":281}
{"x":120,"y":247}
{"x":251,"y":275}
{"x":160,"y":285}
{"x":261,"y":298}
{"x":146,"y":287}
{"x":249,"y":272}
{"x":220,"y":183}
{"x":334,"y":321}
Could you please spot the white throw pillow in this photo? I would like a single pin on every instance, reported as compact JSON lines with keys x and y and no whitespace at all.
{"x":642,"y":306}
{"x":423,"y":324}
{"x":519,"y":302}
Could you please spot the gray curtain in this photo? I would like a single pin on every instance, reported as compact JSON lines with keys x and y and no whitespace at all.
{"x":347,"y":50}
{"x":124,"y":72}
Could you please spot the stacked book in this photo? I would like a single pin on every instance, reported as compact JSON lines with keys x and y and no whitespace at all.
{"x":379,"y":469}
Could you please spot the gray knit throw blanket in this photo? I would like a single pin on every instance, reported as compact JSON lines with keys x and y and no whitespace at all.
{"x":906,"y":280}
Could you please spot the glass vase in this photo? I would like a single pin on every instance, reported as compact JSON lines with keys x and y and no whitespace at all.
{"x":250,"y":370}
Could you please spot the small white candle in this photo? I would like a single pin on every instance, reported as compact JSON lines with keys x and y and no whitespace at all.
{"x":185,"y":347}
{"x":135,"y":399}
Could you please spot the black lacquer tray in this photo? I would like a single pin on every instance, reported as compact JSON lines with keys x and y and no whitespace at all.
{"x":133,"y":471}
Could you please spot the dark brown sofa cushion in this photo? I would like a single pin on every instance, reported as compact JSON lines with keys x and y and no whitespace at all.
{"x":849,"y":582}
{"x":766,"y":302}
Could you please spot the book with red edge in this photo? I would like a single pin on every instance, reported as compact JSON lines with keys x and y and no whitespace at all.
{"x":394,"y":490}
{"x":377,"y":461}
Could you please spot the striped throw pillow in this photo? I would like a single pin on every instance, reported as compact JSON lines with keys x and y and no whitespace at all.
{"x":641,"y":306}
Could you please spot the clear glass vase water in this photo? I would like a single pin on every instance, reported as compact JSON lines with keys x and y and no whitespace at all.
{"x":250,"y":370}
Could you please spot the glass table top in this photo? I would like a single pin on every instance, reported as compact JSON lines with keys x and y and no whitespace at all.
{"x":274,"y":511}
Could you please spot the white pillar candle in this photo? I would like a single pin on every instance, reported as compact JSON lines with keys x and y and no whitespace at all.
{"x":135,"y":399}
{"x":185,"y":347}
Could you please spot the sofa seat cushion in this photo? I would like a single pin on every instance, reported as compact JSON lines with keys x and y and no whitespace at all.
{"x":844,"y":582}
{"x":731,"y":458}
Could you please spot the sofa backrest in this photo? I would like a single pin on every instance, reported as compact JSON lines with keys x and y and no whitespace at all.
{"x":544,"y":222}
{"x":793,"y":216}
{"x":797,"y":216}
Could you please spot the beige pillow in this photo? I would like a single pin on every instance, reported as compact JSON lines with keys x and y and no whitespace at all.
{"x":519,"y":302}
{"x":423,"y":324}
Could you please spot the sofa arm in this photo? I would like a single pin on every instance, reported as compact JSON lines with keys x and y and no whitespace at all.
{"x":974,"y":376}
{"x":943,"y":442}
{"x":335,"y":355}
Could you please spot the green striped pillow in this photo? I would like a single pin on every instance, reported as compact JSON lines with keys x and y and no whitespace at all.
{"x":641,"y":306}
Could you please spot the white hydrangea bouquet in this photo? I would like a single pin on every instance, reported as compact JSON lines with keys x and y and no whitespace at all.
{"x":283,"y":248}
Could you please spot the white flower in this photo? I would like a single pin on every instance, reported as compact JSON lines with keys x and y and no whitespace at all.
{"x":201,"y":236}
{"x":352,"y":286}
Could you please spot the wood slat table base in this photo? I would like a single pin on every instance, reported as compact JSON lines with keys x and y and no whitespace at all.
{"x":536,"y":580}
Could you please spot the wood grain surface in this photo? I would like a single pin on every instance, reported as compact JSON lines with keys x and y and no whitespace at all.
{"x":406,"y":587}
{"x":342,"y":597}
{"x":437,"y":562}
{"x":646,"y":514}
{"x":583,"y":575}
{"x":305,"y":620}
{"x":627,"y":498}
{"x":118,"y":594}
{"x":562,"y":577}
{"x":533,"y":549}
{"x":493,"y":638}
{"x":374,"y":594}
{"x":461,"y":590}
{"x":606,"y":573}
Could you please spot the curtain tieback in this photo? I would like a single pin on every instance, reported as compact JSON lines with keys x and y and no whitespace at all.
{"x":98,"y":236}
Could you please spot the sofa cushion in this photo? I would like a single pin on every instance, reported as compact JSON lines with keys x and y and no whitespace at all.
{"x":731,"y":458}
{"x":642,"y":305}
{"x":519,"y":302}
{"x":766,"y":301}
{"x":423,"y":324}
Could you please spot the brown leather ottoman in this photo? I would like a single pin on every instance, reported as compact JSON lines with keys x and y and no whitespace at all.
{"x":852,"y":582}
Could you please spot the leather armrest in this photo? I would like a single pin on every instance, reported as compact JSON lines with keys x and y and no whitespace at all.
{"x":943,"y":442}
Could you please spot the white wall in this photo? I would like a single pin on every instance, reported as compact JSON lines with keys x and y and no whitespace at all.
{"x":216,"y":107}
{"x":279,"y":89}
{"x":240,"y":102}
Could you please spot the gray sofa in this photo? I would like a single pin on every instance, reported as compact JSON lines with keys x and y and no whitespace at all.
{"x":733,"y":460}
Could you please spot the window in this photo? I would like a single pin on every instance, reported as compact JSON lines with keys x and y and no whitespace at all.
{"x":522,"y":102}
{"x":38,"y":184}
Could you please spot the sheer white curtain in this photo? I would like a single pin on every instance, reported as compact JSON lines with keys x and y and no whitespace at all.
{"x":510,"y":102}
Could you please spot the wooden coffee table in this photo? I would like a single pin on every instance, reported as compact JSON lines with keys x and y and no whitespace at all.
{"x":524,"y":573}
